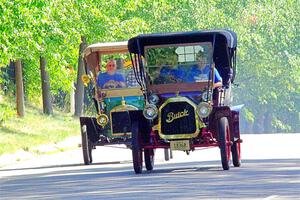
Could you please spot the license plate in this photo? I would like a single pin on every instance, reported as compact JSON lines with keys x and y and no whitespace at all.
{"x":180,"y":145}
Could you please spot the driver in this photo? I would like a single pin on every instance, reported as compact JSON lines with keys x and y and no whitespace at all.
{"x":111,"y":78}
{"x":202,"y":71}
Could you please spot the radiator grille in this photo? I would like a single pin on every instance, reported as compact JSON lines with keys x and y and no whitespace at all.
{"x":120,"y":122}
{"x":178,"y":118}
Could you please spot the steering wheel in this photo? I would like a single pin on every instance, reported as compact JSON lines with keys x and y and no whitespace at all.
{"x":110,"y":84}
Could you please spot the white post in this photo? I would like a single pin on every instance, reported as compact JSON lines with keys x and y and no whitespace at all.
{"x":72,"y":99}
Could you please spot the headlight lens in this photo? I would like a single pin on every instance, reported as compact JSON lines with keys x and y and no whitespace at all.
{"x":204,"y":109}
{"x":153,"y":99}
{"x":150,"y":111}
{"x":102,"y":119}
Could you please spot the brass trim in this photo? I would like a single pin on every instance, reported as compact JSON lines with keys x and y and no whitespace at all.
{"x":121,"y":108}
{"x":155,"y":127}
{"x":207,"y":105}
{"x":125,"y":92}
{"x":121,"y":134}
{"x":106,"y":120}
{"x":85,"y":79}
{"x":178,"y":136}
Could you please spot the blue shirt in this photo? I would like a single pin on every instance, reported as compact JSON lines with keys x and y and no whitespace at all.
{"x":176,"y":73}
{"x":197,"y":74}
{"x":105,"y":77}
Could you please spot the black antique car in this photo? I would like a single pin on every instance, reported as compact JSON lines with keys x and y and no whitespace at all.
{"x":109,"y":124}
{"x":186,"y":79}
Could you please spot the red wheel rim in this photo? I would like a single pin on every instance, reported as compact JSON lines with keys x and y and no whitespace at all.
{"x":228,"y":142}
{"x":239,"y":150}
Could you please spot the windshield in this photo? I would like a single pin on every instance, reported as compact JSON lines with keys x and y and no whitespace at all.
{"x":116,"y":74}
{"x":178,"y":64}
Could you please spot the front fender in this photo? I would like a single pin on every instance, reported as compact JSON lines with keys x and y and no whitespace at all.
{"x":216,"y":114}
{"x":235,"y":124}
{"x":93,"y":128}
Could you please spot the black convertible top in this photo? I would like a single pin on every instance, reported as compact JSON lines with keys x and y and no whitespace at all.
{"x":224,"y":46}
{"x":226,"y":37}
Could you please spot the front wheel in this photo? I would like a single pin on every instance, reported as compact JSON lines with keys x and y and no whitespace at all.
{"x":149,"y":159}
{"x":236,"y":153}
{"x":137,"y":152}
{"x":224,"y":139}
{"x":86,"y":146}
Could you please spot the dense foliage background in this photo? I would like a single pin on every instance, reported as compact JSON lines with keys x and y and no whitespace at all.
{"x":268,"y":45}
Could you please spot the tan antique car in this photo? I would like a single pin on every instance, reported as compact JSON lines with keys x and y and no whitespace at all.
{"x":110,"y":124}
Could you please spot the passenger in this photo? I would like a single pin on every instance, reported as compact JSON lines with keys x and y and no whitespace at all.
{"x":111,"y":78}
{"x":131,"y":80}
{"x":202,"y":71}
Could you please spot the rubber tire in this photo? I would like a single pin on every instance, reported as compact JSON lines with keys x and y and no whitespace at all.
{"x":137,"y":153}
{"x":149,"y":159}
{"x":224,"y":130}
{"x":236,"y":154}
{"x":90,"y":151}
{"x":86,"y":146}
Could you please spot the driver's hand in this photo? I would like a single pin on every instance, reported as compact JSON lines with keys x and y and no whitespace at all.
{"x":110,"y":84}
{"x":217,"y":85}
{"x":121,"y":84}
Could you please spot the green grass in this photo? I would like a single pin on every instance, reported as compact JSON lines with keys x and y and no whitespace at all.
{"x":35,"y":129}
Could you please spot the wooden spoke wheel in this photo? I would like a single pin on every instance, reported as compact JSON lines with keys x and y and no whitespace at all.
{"x":236,"y":153}
{"x":149,"y":159}
{"x":137,"y":153}
{"x":86,"y":146}
{"x":224,"y":139}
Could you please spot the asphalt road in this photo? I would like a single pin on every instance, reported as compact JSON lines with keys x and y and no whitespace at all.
{"x":270,"y":170}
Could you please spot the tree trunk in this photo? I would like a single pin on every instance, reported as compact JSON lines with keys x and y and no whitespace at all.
{"x":268,"y":122}
{"x":47,"y":105}
{"x":79,"y":92}
{"x":259,"y":123}
{"x":19,"y":89}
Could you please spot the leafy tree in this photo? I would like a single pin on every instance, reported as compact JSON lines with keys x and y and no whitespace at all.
{"x":268,"y":44}
{"x":269,"y":67}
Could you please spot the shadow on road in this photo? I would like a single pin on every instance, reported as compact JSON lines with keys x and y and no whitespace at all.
{"x":62,"y":166}
{"x":255,"y":179}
